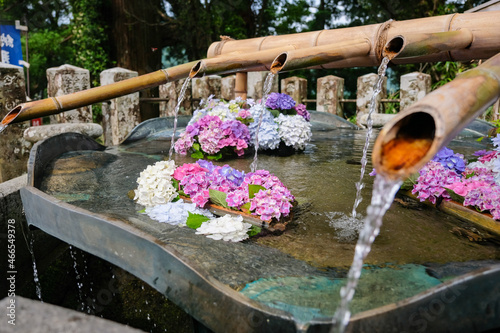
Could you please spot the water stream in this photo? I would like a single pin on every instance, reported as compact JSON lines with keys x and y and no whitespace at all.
{"x":78,"y":277}
{"x":383,"y":194}
{"x":38,"y":287}
{"x":376,"y":91}
{"x":268,"y":83}
{"x":182,"y":94}
{"x":2,"y":127}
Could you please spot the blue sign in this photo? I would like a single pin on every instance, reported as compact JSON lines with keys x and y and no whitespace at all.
{"x":10,"y":45}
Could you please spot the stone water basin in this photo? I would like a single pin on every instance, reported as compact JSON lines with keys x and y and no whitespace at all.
{"x":283,"y":282}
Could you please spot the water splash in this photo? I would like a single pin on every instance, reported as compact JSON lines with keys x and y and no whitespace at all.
{"x":182,"y":94}
{"x":376,"y":91}
{"x":38,"y":287}
{"x":383,"y":194}
{"x":268,"y":84}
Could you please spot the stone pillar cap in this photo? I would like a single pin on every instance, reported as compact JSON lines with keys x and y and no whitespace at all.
{"x":38,"y":133}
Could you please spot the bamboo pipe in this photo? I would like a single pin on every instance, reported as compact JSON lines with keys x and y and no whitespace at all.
{"x":54,"y":105}
{"x":413,"y":45}
{"x":318,"y":56}
{"x":237,"y":61}
{"x":415,"y":135}
{"x":485,"y":27}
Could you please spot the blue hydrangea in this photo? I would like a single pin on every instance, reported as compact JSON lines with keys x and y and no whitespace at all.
{"x":277,"y":101}
{"x":450,"y":160}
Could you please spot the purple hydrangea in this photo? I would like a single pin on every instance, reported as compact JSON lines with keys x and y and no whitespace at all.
{"x":434,"y":177}
{"x":277,"y":101}
{"x":450,"y":160}
{"x":302,"y":111}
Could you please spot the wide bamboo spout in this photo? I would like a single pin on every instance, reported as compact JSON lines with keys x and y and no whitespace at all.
{"x":415,"y":135}
{"x":54,"y":105}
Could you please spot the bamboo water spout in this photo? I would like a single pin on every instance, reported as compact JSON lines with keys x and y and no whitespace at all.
{"x":484,"y":26}
{"x":415,"y":135}
{"x":54,"y":105}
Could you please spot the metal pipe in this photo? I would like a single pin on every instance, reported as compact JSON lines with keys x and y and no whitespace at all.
{"x":415,"y":135}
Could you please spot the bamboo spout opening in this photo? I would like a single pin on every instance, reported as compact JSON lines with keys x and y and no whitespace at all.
{"x":405,"y":146}
{"x":9,"y":117}
{"x":393,"y":47}
{"x":195,"y":70}
{"x":279,"y":62}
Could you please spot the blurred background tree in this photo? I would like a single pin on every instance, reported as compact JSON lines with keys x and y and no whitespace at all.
{"x":150,"y":34}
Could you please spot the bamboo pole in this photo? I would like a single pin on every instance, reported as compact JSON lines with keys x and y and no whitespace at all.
{"x":415,"y":135}
{"x":318,"y":56}
{"x":484,"y":26}
{"x":54,"y":105}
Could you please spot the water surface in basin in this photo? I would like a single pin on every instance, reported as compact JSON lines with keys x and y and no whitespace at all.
{"x":317,"y":247}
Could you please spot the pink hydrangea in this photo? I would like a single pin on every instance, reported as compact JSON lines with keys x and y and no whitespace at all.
{"x":187,"y":169}
{"x":434,"y":177}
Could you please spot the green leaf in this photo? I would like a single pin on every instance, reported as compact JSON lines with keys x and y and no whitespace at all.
{"x":254,"y":189}
{"x":470,"y":175}
{"x":218,"y":197}
{"x":142,"y":211}
{"x":218,"y":156}
{"x":275,"y":113}
{"x":454,"y":196}
{"x":196,"y":146}
{"x":246,"y":208}
{"x":254,"y":230}
{"x":410,"y":182}
{"x":197,"y":155}
{"x":194,"y":221}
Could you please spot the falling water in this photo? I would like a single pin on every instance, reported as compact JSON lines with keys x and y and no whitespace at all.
{"x":383,"y":194}
{"x":79,"y":282}
{"x":268,"y":83}
{"x":38,"y":286}
{"x":2,"y":127}
{"x":177,"y":107}
{"x":376,"y":91}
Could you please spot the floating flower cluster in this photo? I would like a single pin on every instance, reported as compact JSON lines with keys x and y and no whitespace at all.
{"x":220,"y":128}
{"x":155,"y":184}
{"x":282,"y":121}
{"x":476,"y":184}
{"x":260,"y":193}
{"x":228,"y":228}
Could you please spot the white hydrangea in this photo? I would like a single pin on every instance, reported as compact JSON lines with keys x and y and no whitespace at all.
{"x":175,"y":213}
{"x":294,"y":131}
{"x":228,"y":228}
{"x":155,"y":184}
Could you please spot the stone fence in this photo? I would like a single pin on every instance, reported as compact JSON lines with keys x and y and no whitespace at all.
{"x":122,"y":114}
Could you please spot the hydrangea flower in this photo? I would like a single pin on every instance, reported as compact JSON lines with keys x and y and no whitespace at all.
{"x":450,"y":160}
{"x":295,"y":131}
{"x":433,"y":179}
{"x":302,"y":111}
{"x":175,"y":213}
{"x":155,"y":184}
{"x":277,"y":101}
{"x":213,"y":135}
{"x":228,"y":228}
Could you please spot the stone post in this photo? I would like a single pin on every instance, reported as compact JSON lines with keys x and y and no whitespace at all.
{"x":255,"y":84}
{"x":295,"y":87}
{"x":119,"y":115}
{"x":365,"y":91}
{"x":67,"y":79}
{"x":414,"y":86}
{"x":329,"y":93}
{"x":227,"y":87}
{"x":171,"y":90}
{"x":205,"y":86}
{"x":14,"y":150}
